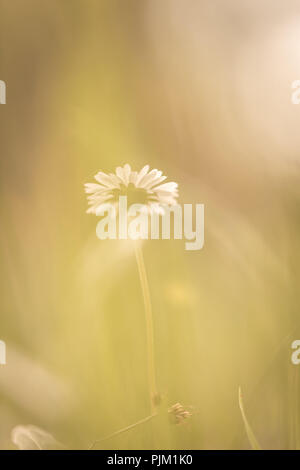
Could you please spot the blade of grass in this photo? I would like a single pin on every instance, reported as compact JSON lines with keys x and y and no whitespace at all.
{"x":121,"y":431}
{"x":252,"y":439}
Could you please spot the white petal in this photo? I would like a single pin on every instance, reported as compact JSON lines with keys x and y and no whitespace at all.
{"x":91,"y":210}
{"x":115,"y":179}
{"x":165,"y":198}
{"x":94,"y":205}
{"x":141,"y":174}
{"x":163,"y":194}
{"x":99,"y":198}
{"x":104,"y":179}
{"x":171,"y":186}
{"x":93,"y":187}
{"x":100,"y":192}
{"x":94,"y":198}
{"x":126,"y":173}
{"x":155,"y":182}
{"x":120,"y":174}
{"x":133,"y":177}
{"x":147,"y":178}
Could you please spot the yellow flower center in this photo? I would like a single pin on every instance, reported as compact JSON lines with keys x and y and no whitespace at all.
{"x":134,"y":195}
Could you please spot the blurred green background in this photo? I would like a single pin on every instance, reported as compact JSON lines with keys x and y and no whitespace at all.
{"x":201,"y":91}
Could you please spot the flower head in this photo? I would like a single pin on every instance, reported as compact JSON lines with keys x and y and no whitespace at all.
{"x":143,"y":187}
{"x":178,"y":413}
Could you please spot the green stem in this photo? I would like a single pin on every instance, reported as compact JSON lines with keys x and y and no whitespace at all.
{"x":149,"y":326}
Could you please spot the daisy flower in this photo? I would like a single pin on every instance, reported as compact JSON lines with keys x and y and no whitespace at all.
{"x":143,"y":187}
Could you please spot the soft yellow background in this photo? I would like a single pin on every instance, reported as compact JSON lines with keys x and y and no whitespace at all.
{"x":202,"y":91}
